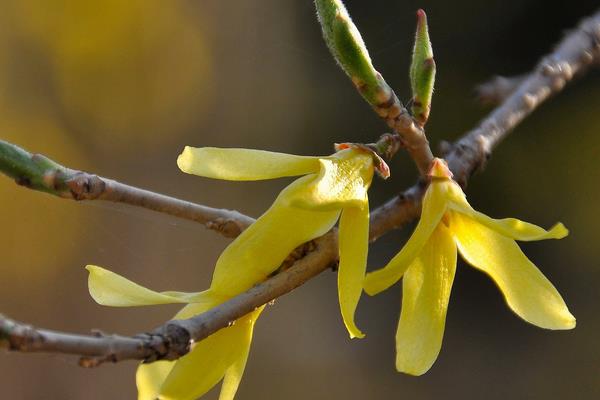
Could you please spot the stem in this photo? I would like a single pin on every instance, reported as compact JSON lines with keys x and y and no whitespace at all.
{"x":348,"y":48}
{"x":577,"y":51}
{"x":497,"y":89}
{"x":38,"y":172}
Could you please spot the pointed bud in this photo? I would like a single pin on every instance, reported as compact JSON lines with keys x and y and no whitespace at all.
{"x":439,"y":169}
{"x":422,"y":71}
{"x":349,"y":50}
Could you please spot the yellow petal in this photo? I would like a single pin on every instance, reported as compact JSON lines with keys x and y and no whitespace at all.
{"x":426,"y":291}
{"x":263,"y":246}
{"x":511,"y":227}
{"x":244,"y":164}
{"x":233,"y":375}
{"x":343,"y":181}
{"x":526,"y":290}
{"x":434,"y":207}
{"x":353,"y":248}
{"x":197,"y":372}
{"x":149,"y":378}
{"x":110,"y":289}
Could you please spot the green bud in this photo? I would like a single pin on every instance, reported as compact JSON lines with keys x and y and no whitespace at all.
{"x":349,"y":50}
{"x":422,"y":71}
{"x":34,"y":171}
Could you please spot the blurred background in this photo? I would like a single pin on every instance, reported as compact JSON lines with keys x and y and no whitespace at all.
{"x":119,"y":87}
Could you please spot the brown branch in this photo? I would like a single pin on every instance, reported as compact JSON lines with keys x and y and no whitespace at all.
{"x":412,"y":135}
{"x":497,"y":89}
{"x":17,"y":336}
{"x":348,"y":49}
{"x":38,"y":172}
{"x":229,"y":223}
{"x":579,"y":49}
{"x":171,"y":341}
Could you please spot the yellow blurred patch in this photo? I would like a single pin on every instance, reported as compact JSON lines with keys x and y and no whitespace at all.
{"x":38,"y":231}
{"x":123,"y":72}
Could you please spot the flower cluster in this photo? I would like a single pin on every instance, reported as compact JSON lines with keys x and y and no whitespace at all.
{"x":335,"y":188}
{"x":428,"y":264}
{"x":332,"y":188}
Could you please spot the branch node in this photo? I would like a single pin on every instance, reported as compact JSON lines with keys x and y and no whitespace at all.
{"x":529,"y":101}
{"x":18,"y":337}
{"x":228,"y":227}
{"x":24,"y":181}
{"x":547,"y":68}
{"x":84,"y":186}
{"x":445,"y":147}
{"x":174,"y":341}
{"x":94,"y":362}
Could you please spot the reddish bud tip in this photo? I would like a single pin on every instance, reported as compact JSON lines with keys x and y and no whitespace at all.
{"x":342,"y":146}
{"x":439,"y":169}
{"x":421,"y":14}
{"x":382,"y":169}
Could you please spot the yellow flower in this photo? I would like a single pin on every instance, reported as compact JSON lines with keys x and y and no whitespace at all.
{"x":428,"y":263}
{"x":332,"y":188}
{"x":222,"y":355}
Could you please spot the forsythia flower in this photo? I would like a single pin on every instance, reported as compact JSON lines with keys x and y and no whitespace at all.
{"x":428,"y":264}
{"x":222,"y":355}
{"x":332,"y":188}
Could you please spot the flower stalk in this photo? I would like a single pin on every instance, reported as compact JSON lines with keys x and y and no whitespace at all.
{"x":349,"y":50}
{"x":38,"y":172}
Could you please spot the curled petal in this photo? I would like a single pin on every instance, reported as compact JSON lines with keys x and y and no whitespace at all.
{"x":244,"y":164}
{"x":426,"y":291}
{"x":263,"y":246}
{"x":343,"y":181}
{"x":228,"y":348}
{"x":149,"y":378}
{"x":353,"y":247}
{"x":434,"y":207}
{"x":209,"y":361}
{"x":526,"y":290}
{"x":512,"y":227}
{"x":233,"y":375}
{"x":110,"y":289}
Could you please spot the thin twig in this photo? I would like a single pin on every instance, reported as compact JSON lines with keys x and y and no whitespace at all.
{"x":579,"y":49}
{"x":412,"y":135}
{"x":25,"y":338}
{"x":172,"y":340}
{"x":498,"y":88}
{"x":348,"y":49}
{"x":38,"y":172}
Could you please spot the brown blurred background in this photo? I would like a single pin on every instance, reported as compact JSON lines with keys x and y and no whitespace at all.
{"x":119,"y":87}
